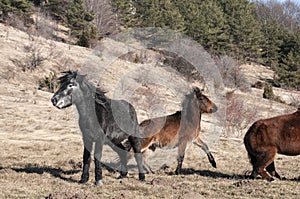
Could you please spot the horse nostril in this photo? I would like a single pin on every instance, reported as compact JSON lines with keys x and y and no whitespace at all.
{"x":54,"y":100}
{"x":214,"y":109}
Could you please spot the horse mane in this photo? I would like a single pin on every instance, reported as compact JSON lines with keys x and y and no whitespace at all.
{"x":189,"y":106}
{"x":68,"y":76}
{"x":98,"y":93}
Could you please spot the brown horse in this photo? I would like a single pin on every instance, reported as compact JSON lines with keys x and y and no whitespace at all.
{"x":267,"y":137}
{"x":179,"y":129}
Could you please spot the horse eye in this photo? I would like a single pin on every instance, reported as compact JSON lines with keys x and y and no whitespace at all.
{"x":70,"y":85}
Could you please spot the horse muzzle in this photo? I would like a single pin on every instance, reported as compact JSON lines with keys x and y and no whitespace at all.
{"x":54,"y":100}
{"x":61,"y":103}
{"x":214,"y":109}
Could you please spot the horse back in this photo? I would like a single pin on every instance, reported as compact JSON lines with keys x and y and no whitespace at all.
{"x":281,"y":132}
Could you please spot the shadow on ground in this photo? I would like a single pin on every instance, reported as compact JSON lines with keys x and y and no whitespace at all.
{"x":216,"y":174}
{"x":56,"y":172}
{"x":211,"y":174}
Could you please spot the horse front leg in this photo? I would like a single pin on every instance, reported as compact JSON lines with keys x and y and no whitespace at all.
{"x":86,"y":161}
{"x":200,"y":143}
{"x":180,"y":158}
{"x":97,"y":160}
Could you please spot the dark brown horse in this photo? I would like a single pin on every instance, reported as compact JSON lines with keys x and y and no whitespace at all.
{"x":267,"y":137}
{"x":179,"y":129}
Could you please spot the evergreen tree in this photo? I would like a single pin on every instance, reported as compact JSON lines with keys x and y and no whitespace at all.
{"x":125,"y":12}
{"x":289,"y":64}
{"x":57,"y":9}
{"x":20,"y":8}
{"x":79,"y":20}
{"x":245,"y":37}
{"x":271,"y":45}
{"x":157,"y":13}
{"x":204,"y":22}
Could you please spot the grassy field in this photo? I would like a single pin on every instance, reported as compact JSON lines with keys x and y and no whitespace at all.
{"x":41,"y":152}
{"x":41,"y":146}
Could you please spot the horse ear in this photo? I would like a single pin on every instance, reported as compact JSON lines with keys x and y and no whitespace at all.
{"x":79,"y":77}
{"x":197,"y":90}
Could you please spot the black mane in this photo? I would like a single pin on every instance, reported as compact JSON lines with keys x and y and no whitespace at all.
{"x":68,"y":76}
{"x":99,"y":125}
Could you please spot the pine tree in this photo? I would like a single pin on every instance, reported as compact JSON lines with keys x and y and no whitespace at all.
{"x":57,"y":9}
{"x":245,"y":37}
{"x":211,"y":24}
{"x":79,"y":20}
{"x":156,"y":13}
{"x":289,"y":66}
{"x":271,"y":45}
{"x":20,"y":8}
{"x":125,"y":12}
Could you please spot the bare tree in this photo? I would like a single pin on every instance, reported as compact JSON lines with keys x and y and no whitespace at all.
{"x":286,"y":13}
{"x":239,"y":116}
{"x":105,"y":19}
{"x":231,"y":73}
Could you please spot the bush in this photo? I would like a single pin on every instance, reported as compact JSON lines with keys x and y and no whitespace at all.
{"x":239,"y":116}
{"x":231,"y":73}
{"x":258,"y":85}
{"x":269,"y":94}
{"x":49,"y":83}
{"x":33,"y":59}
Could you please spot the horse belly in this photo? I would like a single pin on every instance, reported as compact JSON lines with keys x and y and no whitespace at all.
{"x":168,"y":139}
{"x":289,"y":148}
{"x":289,"y":141}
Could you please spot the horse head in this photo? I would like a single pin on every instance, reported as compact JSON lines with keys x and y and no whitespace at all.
{"x":205,"y":104}
{"x":69,"y":90}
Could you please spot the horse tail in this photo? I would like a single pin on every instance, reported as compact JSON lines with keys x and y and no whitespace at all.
{"x":248,"y":142}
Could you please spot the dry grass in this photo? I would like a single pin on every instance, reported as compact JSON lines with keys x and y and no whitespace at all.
{"x":41,"y":149}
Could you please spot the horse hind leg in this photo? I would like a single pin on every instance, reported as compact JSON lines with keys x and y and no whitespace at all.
{"x":272,"y":171}
{"x":200,"y":143}
{"x":123,"y":155}
{"x":146,"y":166}
{"x":136,"y":146}
{"x":263,"y":160}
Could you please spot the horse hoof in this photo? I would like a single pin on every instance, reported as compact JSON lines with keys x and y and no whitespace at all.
{"x":83,"y":181}
{"x":122,"y":175}
{"x":141,"y":177}
{"x":99,"y":183}
{"x":270,"y":179}
{"x":214,"y":164}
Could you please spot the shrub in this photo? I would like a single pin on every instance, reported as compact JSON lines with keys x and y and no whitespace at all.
{"x":49,"y":83}
{"x":258,"y":85}
{"x":238,"y":115}
{"x":231,"y":73}
{"x":33,"y":59}
{"x":269,"y":94}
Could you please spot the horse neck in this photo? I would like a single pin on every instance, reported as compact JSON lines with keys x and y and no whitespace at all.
{"x":86,"y":105}
{"x":191,"y":110}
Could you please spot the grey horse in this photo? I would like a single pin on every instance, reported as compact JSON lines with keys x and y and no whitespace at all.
{"x":101,"y":121}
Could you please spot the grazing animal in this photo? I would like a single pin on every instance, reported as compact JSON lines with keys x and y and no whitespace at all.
{"x":179,"y":129}
{"x":267,"y":137}
{"x":102,"y":121}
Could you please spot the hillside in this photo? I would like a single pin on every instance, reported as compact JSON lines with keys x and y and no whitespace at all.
{"x":42,"y":147}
